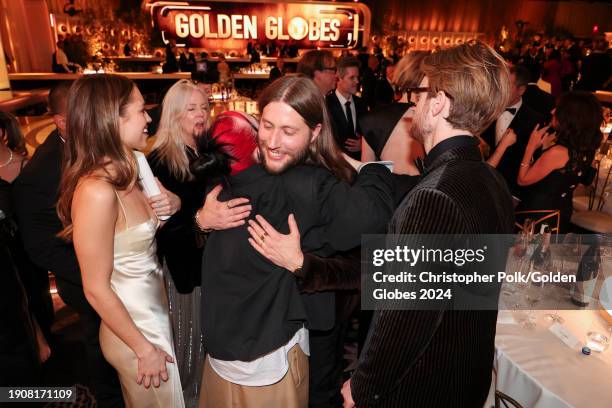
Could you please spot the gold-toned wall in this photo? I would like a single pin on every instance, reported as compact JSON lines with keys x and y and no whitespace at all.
{"x":488,"y":16}
{"x":99,"y":7}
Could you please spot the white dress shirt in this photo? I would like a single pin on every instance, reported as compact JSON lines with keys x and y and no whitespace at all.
{"x":343,"y":102}
{"x":265,"y":370}
{"x":504,"y":121}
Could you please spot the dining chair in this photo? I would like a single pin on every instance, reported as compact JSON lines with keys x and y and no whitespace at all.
{"x":550,"y":217}
{"x":593,"y":210}
{"x":505,"y":401}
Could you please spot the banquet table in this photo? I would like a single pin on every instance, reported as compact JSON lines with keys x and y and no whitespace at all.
{"x":533,"y":365}
{"x":538,"y":370}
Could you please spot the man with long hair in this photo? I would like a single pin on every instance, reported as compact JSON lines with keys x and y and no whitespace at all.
{"x":441,"y":358}
{"x":258,"y":358}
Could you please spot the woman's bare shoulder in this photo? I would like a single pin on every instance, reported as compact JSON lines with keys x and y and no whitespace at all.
{"x":556,"y":152}
{"x":94,"y":188}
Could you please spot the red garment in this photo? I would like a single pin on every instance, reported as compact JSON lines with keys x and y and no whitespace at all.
{"x":238,"y":136}
{"x":552,"y":73}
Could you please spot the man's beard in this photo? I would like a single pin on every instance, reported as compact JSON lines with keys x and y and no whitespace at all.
{"x":419,"y":131}
{"x":297,"y":158}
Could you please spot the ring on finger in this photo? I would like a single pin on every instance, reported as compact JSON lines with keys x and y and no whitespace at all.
{"x":228,"y":206}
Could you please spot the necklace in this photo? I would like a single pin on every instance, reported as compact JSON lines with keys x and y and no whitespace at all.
{"x":10,"y":159}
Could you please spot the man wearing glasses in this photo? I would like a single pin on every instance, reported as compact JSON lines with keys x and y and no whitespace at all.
{"x":320,"y":66}
{"x":443,"y":357}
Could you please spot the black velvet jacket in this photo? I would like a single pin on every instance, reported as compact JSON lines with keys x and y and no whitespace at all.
{"x":176,"y":240}
{"x":438,"y":358}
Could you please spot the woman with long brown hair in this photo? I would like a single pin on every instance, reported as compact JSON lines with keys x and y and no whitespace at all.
{"x":550,"y":180}
{"x":113,"y":226}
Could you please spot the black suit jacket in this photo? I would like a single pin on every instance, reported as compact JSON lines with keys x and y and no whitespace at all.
{"x":539,"y":100}
{"x":523,"y":124}
{"x":35,"y":193}
{"x":438,"y":358}
{"x":340,"y":124}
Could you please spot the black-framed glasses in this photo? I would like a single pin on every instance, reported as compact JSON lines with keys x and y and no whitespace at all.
{"x":329,"y":69}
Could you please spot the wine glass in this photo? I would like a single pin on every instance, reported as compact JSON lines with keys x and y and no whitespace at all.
{"x":598,"y":336}
{"x":533,"y":295}
{"x":515,"y":261}
{"x":557,"y":265}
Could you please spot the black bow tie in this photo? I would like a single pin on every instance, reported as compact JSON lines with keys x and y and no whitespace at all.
{"x":511,"y":110}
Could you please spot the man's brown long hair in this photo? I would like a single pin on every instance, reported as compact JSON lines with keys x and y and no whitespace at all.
{"x":301,"y":94}
{"x":95,"y":106}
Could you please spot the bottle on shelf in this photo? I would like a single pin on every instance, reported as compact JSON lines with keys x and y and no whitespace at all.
{"x":582,"y":290}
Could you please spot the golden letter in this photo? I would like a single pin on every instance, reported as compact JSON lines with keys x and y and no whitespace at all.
{"x":224,"y":26}
{"x":182,"y":25}
{"x":281,"y":36}
{"x":271,"y":29}
{"x":207,"y":32}
{"x":196,"y":25}
{"x":250,"y":27}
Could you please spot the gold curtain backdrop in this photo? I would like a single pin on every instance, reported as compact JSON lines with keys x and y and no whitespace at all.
{"x":484,"y":16}
{"x":488,"y":16}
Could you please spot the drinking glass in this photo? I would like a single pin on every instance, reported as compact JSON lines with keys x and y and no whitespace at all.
{"x":598,"y":336}
{"x":557,"y":264}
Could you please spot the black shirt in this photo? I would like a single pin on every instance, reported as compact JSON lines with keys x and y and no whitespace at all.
{"x":250,"y":306}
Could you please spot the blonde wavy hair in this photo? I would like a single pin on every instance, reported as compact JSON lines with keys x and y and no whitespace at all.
{"x":169,"y":144}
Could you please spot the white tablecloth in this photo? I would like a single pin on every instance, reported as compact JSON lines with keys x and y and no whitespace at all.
{"x":538,"y":370}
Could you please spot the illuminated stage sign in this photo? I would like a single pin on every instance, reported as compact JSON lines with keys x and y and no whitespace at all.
{"x":231,"y":25}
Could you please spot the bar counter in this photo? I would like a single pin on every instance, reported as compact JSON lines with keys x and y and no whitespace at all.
{"x":148,"y":82}
{"x":51,"y":76}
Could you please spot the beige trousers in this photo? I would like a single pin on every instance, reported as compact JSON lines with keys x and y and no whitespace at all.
{"x":290,"y":392}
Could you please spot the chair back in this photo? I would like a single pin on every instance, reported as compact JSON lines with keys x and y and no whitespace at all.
{"x":550,"y":217}
{"x":504,"y":401}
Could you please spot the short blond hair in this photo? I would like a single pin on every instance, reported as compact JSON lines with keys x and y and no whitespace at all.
{"x":475,"y":78}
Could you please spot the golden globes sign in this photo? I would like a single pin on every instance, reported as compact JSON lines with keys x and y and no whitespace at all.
{"x":232,"y":24}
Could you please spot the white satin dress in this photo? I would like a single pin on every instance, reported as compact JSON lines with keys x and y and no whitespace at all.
{"x":137,"y":280}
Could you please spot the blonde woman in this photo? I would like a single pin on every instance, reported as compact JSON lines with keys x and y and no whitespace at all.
{"x":113,"y":225}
